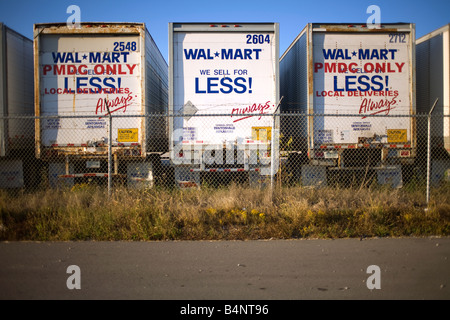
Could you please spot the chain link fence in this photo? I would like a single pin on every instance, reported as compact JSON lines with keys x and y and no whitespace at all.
{"x":290,"y":149}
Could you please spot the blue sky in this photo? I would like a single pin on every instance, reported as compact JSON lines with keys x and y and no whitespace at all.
{"x":292,"y":15}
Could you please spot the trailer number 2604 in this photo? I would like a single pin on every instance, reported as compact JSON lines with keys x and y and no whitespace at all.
{"x":257,"y":38}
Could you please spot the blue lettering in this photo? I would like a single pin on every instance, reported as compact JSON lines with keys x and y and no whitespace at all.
{"x":69,"y":57}
{"x":201,"y":54}
{"x":380,"y":85}
{"x":329,"y":54}
{"x":241,"y":85}
{"x":80,"y":82}
{"x":365,"y":83}
{"x":94,"y":57}
{"x":106,"y":57}
{"x":257,"y":51}
{"x":196,"y":87}
{"x":115,"y":57}
{"x":224,"y":85}
{"x":362,"y":82}
{"x":66,"y":86}
{"x":107,"y":84}
{"x":227,"y":85}
{"x":364,"y":54}
{"x":59,"y":57}
{"x":238,"y":53}
{"x":93,"y":83}
{"x":190,"y":54}
{"x":348,"y":83}
{"x":382,"y":54}
{"x":227,"y":54}
{"x":196,"y":54}
{"x":342,"y":54}
{"x":335,"y":85}
{"x":210,"y":85}
{"x":224,"y":54}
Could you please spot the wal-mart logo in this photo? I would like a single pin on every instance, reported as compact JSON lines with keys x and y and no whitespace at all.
{"x":223,"y":54}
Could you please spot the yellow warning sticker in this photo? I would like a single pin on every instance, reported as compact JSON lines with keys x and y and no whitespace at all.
{"x":261,"y":133}
{"x":127,"y":135}
{"x":397,"y":135}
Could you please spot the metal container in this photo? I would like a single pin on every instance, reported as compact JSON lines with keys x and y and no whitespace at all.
{"x":82,"y":76}
{"x":219,"y":75}
{"x":433,"y":82}
{"x":348,"y":75}
{"x":16,"y":106}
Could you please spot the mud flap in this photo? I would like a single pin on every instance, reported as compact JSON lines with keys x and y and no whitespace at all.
{"x":440,"y":171}
{"x":11,"y":174}
{"x":140,"y":175}
{"x":314,"y":176}
{"x":391,"y":175}
{"x":186,"y":179}
{"x":56,"y":169}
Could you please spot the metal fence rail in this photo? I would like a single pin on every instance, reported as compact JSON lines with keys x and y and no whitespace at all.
{"x":160,"y":149}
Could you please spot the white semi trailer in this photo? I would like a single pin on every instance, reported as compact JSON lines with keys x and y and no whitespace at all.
{"x":82,"y":76}
{"x":359,"y":83}
{"x":16,"y":110}
{"x":223,"y":92}
{"x":433,"y":82}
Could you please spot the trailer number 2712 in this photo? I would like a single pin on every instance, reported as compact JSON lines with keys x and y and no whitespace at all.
{"x":397,"y":38}
{"x":257,"y":38}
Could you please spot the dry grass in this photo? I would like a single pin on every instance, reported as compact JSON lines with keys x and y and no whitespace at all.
{"x":234,"y":212}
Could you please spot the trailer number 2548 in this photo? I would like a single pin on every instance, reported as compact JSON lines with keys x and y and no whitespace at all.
{"x":125,"y":46}
{"x":257,"y":38}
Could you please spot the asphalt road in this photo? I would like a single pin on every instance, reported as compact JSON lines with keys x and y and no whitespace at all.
{"x":409,"y":268}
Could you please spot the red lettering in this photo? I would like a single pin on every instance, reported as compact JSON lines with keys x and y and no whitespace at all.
{"x":342,"y":67}
{"x":400,"y":66}
{"x":110,"y":69}
{"x":330,"y":67}
{"x":351,"y":69}
{"x":99,"y":69}
{"x":317,"y":66}
{"x":255,"y":108}
{"x":369,"y":107}
{"x":131,"y":67}
{"x":114,"y":105}
{"x":59,"y":70}
{"x":47,"y":68}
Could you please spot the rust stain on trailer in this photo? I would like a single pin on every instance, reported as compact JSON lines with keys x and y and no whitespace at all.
{"x":37,"y":111}
{"x":354,"y":28}
{"x":88,"y":28}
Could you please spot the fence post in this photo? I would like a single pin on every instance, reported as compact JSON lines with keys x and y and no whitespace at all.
{"x":429,"y":151}
{"x":273,"y":170}
{"x":109,"y":149}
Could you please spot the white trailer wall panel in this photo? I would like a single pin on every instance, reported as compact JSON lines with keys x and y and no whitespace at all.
{"x":223,"y":70}
{"x":343,"y":69}
{"x":16,"y":91}
{"x":219,"y":75}
{"x":433,"y":81}
{"x":79,"y":69}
